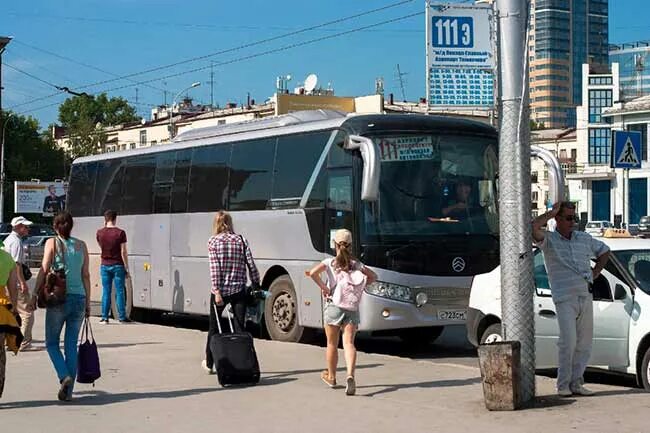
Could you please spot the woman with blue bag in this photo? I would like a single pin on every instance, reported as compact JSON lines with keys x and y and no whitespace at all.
{"x":65,"y":260}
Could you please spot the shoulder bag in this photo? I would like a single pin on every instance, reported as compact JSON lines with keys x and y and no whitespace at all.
{"x":253,"y":292}
{"x":52,"y":291}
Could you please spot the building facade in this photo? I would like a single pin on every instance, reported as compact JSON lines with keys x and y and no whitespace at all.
{"x":564,"y":35}
{"x":634,"y":68}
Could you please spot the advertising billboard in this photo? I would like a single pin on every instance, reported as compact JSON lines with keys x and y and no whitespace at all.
{"x":46,"y":198}
{"x":287,"y":103}
{"x":460,"y":56}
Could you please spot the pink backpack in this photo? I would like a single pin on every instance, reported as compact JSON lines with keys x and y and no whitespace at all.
{"x":348,"y":289}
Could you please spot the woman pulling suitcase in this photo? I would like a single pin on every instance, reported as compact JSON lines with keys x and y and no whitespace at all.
{"x":229,"y":256}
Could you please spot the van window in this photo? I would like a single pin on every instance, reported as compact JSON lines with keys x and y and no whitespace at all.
{"x":541,"y":276}
{"x":593,"y":225}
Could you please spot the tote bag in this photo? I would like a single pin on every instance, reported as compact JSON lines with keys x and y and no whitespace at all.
{"x":88,"y":370}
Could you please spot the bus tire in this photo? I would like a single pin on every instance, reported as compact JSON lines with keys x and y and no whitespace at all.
{"x":281,"y":311}
{"x":492,"y":334}
{"x":420,"y":336}
{"x":128,"y":300}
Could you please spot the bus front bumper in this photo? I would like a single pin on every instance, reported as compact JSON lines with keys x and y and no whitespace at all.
{"x":379,"y":313}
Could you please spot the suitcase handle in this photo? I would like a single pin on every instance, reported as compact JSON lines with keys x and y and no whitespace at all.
{"x":216,"y":315}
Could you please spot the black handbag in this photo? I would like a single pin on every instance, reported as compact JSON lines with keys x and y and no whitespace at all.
{"x":88,"y":370}
{"x":27,"y":273}
{"x":254,"y":293}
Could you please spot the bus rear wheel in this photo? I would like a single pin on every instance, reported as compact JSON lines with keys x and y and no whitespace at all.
{"x":420,"y":336}
{"x":281,"y":311}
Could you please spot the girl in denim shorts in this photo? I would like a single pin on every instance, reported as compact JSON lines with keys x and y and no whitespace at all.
{"x":343,"y":267}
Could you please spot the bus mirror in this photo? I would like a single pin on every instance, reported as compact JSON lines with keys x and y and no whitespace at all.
{"x":486,"y":193}
{"x":371,"y":165}
{"x":555,"y":173}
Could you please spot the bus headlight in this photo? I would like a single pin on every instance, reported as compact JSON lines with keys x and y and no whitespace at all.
{"x":391,"y":291}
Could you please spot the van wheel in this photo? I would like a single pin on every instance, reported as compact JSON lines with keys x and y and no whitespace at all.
{"x":420,"y":336}
{"x":281,"y":311}
{"x":492,"y":334}
{"x":645,"y":370}
{"x":128,"y":300}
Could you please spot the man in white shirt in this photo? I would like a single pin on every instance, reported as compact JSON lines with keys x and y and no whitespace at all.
{"x":26,"y":299}
{"x":567,"y":256}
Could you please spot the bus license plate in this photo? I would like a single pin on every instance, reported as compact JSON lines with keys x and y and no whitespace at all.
{"x":458,"y":315}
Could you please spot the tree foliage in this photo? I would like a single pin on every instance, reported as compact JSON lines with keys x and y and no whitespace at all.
{"x":85,"y":116}
{"x":28,"y":155}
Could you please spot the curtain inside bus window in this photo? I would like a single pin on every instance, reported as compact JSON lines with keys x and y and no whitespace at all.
{"x":108,"y":186}
{"x":181,"y":181}
{"x":339,"y":202}
{"x":251,"y":178}
{"x":137,"y":195}
{"x":82,"y":189}
{"x":295,"y":161}
{"x":163,"y":181}
{"x":209,"y":177}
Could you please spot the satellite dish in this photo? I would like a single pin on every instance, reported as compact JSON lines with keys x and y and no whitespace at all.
{"x":310,"y":83}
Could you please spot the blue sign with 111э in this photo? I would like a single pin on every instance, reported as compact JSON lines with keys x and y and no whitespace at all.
{"x":453,"y":32}
{"x":626,"y":149}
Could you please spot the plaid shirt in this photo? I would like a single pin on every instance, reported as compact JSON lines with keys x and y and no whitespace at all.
{"x":228,"y":263}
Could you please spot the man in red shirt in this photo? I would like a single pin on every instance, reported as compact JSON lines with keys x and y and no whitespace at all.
{"x":114,"y":266}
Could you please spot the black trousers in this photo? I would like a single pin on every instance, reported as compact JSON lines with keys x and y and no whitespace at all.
{"x":238,"y":303}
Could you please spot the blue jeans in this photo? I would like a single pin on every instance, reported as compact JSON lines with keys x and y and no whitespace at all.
{"x":72,"y":315}
{"x":110,"y":274}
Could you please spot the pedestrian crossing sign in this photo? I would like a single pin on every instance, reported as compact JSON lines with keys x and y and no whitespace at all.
{"x":626,"y":149}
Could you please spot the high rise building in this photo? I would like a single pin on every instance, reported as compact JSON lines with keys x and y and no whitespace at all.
{"x":634,"y":61}
{"x":564,"y":35}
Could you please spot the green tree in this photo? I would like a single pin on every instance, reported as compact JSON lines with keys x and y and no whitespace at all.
{"x":28,"y":155}
{"x":84,"y":117}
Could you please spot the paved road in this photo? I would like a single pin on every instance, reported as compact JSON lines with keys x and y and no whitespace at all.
{"x":452,"y":347}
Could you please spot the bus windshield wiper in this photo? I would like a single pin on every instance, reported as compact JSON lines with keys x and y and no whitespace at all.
{"x":411,"y":244}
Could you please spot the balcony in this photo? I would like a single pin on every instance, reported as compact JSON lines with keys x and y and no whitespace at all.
{"x":588,"y":171}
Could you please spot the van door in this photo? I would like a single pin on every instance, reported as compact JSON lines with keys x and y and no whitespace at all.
{"x":546,"y":327}
{"x":611,"y":319}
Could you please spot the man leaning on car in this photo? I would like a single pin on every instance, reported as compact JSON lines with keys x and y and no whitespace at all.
{"x":567,"y":256}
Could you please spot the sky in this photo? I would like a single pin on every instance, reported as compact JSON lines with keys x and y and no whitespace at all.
{"x":85,"y":44}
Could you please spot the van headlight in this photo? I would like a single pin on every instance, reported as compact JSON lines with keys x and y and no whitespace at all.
{"x":391,"y":291}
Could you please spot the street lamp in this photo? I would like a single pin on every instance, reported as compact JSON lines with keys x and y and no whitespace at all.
{"x":2,"y":168}
{"x":171,"y":111}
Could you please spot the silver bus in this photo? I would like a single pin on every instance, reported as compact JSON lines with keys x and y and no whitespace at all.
{"x":290,"y":182}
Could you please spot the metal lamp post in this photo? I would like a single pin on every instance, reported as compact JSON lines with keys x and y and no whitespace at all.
{"x":171,"y":111}
{"x":2,"y":168}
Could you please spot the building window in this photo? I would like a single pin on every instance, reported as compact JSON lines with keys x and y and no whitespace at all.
{"x":154,"y":142}
{"x":535,"y":196}
{"x":132,"y":146}
{"x":600,"y":81}
{"x":598,"y":99}
{"x":143,"y":138}
{"x":221,"y":122}
{"x":574,"y":155}
{"x":533,"y":177}
{"x":643,"y":129}
{"x":562,"y":153}
{"x":599,"y":145}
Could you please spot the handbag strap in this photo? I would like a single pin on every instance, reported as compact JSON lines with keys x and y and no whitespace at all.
{"x":84,"y":332}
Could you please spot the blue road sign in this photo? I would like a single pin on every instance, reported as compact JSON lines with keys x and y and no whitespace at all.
{"x":626,"y":149}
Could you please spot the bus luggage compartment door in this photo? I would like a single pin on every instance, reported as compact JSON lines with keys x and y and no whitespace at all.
{"x":140,"y":281}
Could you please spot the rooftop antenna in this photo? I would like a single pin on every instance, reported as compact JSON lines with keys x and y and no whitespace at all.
{"x":310,"y":83}
{"x":379,"y":86}
{"x":400,"y":77}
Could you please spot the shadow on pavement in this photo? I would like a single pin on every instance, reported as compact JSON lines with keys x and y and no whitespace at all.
{"x":431,"y":384}
{"x":116,"y":345}
{"x":279,"y":374}
{"x":553,"y":400}
{"x":102,"y":398}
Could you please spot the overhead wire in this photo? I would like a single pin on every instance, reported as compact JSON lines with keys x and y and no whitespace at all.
{"x":234,"y":49}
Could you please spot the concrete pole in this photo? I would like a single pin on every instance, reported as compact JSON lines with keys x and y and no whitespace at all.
{"x":517,"y":280}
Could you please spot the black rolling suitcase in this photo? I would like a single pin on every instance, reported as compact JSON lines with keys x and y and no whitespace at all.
{"x":234,"y":356}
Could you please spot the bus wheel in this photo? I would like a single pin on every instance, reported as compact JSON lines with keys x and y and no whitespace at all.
{"x":420,"y":336}
{"x":128,"y":300}
{"x":281,"y":311}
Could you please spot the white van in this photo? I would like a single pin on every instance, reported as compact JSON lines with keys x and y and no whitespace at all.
{"x":621,"y":311}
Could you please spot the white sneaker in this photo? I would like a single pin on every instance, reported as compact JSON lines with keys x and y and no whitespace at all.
{"x":581,"y":390}
{"x":204,"y":366}
{"x":564,"y":392}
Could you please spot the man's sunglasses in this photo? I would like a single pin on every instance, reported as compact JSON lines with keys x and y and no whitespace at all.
{"x":571,"y":218}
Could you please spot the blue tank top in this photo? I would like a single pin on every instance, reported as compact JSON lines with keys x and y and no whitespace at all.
{"x":74,"y":259}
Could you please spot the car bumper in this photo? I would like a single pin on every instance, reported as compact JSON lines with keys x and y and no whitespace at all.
{"x":474,"y":318}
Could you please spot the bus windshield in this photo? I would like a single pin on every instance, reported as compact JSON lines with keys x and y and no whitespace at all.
{"x":433,"y":185}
